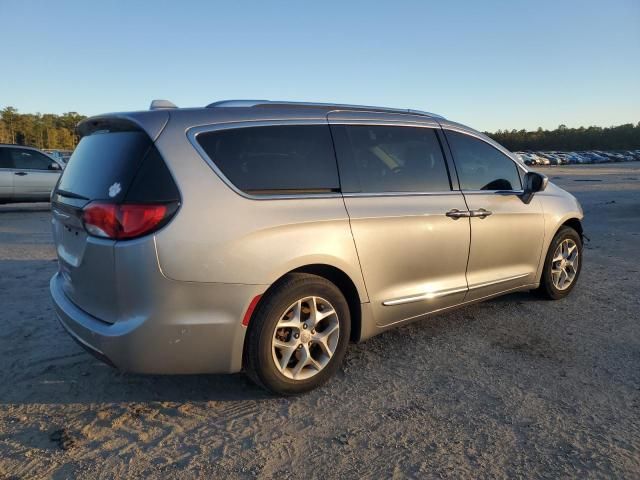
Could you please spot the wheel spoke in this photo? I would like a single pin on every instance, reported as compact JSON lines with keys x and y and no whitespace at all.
{"x":324,"y":314}
{"x":283,"y":345}
{"x":322,"y":339}
{"x":326,"y":333}
{"x":313,"y":310}
{"x":303,"y":360}
{"x":563,"y":278}
{"x":326,"y":349}
{"x":286,"y":352}
{"x":314,"y":363}
{"x":295,"y":318}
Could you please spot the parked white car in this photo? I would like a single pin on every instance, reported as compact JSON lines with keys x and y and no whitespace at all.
{"x":26,"y":174}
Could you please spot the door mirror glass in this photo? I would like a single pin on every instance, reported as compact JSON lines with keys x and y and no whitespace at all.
{"x":533,"y":182}
{"x":54,"y":166}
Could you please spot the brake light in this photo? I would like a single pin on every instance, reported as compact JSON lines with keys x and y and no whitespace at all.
{"x":126,"y":221}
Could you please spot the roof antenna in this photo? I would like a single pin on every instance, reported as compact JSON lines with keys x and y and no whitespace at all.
{"x":160,"y":104}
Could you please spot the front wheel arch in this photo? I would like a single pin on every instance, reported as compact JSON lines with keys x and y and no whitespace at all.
{"x":574,"y":223}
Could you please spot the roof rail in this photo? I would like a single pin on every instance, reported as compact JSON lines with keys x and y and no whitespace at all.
{"x":160,"y":104}
{"x":237,"y":103}
{"x":253,"y":103}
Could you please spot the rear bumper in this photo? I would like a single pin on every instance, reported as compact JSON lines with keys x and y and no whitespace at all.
{"x":194,"y":328}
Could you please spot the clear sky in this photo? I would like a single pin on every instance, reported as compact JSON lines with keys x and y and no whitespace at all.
{"x":491,"y":64}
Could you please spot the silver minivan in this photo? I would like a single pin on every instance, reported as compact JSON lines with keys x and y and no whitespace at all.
{"x":265,"y":236}
{"x":26,"y":174}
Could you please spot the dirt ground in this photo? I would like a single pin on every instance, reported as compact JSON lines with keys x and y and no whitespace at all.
{"x":515,"y":387}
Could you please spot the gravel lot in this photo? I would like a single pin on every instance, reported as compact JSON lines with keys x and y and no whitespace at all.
{"x":515,"y":387}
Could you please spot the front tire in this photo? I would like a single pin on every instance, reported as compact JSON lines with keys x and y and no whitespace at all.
{"x":298,"y":335}
{"x":562,"y":264}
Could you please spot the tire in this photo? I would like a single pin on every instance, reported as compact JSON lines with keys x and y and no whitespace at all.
{"x":286,"y":303}
{"x":553,"y":290}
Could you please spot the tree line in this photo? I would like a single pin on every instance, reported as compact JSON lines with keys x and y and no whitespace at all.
{"x":621,"y":137}
{"x":58,"y":132}
{"x":39,"y":130}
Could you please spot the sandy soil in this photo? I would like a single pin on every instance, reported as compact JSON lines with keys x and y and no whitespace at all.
{"x":515,"y":387}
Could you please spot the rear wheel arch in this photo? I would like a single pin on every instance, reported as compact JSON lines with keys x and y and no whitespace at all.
{"x":340,"y":279}
{"x":348,"y":288}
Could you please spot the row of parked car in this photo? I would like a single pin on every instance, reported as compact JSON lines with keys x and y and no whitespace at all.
{"x":62,"y":156}
{"x":566,"y":158}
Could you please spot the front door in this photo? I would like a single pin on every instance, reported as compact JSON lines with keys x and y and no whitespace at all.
{"x":33,"y":174}
{"x":506,"y":233}
{"x":397,"y":191}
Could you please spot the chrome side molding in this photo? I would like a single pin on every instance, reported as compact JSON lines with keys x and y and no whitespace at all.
{"x":423,"y":296}
{"x":442,"y":293}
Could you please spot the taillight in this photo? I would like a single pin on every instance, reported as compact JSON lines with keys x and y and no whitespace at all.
{"x":125,"y":221}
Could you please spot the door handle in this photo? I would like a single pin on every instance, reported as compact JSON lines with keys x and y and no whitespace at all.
{"x":481,"y":213}
{"x":21,"y":174}
{"x":456,"y":214}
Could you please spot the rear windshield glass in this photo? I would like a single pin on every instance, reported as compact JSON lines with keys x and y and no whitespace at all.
{"x":275,"y":159}
{"x":104,"y":164}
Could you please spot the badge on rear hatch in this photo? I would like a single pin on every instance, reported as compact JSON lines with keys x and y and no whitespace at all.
{"x":114,"y":189}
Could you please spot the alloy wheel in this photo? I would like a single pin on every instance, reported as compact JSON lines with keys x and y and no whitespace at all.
{"x":564,"y":265}
{"x":305,"y":338}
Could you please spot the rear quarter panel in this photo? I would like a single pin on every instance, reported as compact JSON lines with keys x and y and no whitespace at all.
{"x":221,"y":236}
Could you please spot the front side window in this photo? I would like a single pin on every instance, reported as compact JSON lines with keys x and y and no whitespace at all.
{"x":279,"y":159}
{"x":481,"y":166}
{"x":378,"y":159}
{"x":29,"y":160}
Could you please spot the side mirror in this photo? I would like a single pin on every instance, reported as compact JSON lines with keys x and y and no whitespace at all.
{"x":55,"y":166}
{"x":533,"y":182}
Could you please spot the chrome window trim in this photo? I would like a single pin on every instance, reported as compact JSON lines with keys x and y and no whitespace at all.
{"x":193,"y":132}
{"x":399,"y":194}
{"x":492,"y":192}
{"x":30,"y":170}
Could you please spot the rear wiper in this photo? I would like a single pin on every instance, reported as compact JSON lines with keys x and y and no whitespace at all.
{"x":64,"y":193}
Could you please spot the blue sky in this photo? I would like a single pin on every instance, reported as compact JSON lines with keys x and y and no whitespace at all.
{"x":490,"y":64}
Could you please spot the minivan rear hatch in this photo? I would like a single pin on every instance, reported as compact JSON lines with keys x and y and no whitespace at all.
{"x":112,"y":167}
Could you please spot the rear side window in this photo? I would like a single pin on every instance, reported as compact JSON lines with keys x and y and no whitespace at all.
{"x":275,"y":159}
{"x":104,"y":164}
{"x":481,"y":166}
{"x":376,"y":159}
